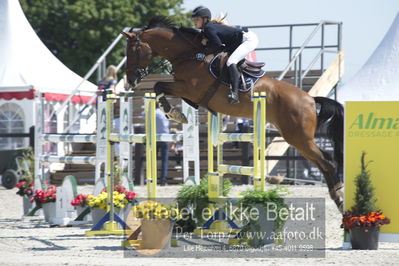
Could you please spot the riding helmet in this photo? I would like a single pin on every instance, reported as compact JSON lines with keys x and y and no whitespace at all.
{"x":202,"y":12}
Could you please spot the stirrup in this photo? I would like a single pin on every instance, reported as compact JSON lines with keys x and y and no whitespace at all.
{"x":233,"y":98}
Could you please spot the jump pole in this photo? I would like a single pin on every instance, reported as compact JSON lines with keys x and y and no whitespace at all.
{"x":108,"y":225}
{"x":151,"y":145}
{"x":220,"y":222}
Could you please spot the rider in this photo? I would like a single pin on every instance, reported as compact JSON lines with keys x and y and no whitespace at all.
{"x":221,"y":37}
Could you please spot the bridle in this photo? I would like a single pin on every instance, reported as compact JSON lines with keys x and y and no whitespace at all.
{"x":142,"y":72}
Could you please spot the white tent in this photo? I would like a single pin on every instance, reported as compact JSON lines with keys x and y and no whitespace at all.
{"x":28,"y":67}
{"x":378,"y":79}
{"x":26,"y":63}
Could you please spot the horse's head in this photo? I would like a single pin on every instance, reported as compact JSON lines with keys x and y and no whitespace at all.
{"x":160,"y":38}
{"x":139,"y":55}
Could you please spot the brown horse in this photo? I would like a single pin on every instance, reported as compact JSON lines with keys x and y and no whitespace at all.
{"x":290,"y":109}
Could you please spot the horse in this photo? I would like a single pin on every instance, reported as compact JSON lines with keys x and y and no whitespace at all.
{"x":292,"y":111}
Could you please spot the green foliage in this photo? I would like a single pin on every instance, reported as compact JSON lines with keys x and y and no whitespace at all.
{"x":253,"y":198}
{"x":365,"y":201}
{"x":196,"y":197}
{"x":79,"y":31}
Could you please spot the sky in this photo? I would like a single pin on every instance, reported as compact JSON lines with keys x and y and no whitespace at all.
{"x":365,"y":23}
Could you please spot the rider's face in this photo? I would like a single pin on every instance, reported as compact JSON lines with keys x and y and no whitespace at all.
{"x":198,"y":22}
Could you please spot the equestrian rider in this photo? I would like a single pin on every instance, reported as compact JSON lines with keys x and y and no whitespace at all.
{"x":221,"y":37}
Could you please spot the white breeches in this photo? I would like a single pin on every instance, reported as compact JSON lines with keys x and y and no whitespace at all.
{"x":249,"y":43}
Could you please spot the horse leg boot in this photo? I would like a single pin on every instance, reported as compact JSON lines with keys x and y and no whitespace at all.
{"x":234,"y":80}
{"x":337,"y":195}
{"x":170,"y":112}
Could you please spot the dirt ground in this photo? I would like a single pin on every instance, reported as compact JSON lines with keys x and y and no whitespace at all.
{"x":31,"y":241}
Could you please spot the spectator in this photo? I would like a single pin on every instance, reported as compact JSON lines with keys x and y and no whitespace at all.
{"x":109,"y":81}
{"x":163,"y":147}
{"x":162,"y":124}
{"x":177,"y":148}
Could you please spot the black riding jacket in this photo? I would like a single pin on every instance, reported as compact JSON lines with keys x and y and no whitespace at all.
{"x":222,"y":37}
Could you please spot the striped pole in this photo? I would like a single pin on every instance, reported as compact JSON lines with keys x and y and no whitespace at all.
{"x":151,"y":145}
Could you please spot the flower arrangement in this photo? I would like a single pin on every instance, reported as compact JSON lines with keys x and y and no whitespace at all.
{"x":364,"y":213}
{"x":130,"y":195}
{"x":376,"y":219}
{"x":100,"y":201}
{"x":154,"y":210}
{"x":80,"y":200}
{"x":25,"y":188}
{"x":45,"y":196}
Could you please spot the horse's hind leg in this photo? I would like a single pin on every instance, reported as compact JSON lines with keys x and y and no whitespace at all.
{"x":323,"y":161}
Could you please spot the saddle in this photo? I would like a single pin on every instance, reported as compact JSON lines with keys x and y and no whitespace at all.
{"x":250,"y":71}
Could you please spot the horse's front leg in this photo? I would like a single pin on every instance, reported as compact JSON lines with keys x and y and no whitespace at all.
{"x":170,"y":88}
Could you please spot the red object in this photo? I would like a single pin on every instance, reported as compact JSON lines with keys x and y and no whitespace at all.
{"x":81,"y":200}
{"x":44,"y":196}
{"x":18,"y":95}
{"x":49,"y":96}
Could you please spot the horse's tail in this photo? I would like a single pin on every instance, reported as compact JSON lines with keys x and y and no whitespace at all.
{"x":332,"y":116}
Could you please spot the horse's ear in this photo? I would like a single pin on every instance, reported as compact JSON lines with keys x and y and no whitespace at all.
{"x":129,"y":35}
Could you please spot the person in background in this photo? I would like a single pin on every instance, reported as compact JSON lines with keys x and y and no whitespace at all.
{"x":110,"y":79}
{"x":163,"y":147}
{"x":177,"y":148}
{"x":109,"y":82}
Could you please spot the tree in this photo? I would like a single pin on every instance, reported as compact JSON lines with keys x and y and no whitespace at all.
{"x":365,"y":202}
{"x":77,"y":32}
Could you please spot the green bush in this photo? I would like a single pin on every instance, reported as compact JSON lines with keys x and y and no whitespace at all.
{"x":252,"y":198}
{"x":196,"y":197}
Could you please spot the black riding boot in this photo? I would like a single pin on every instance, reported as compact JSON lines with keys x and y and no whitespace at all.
{"x":234,"y":80}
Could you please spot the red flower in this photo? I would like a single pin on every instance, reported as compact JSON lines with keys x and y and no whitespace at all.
{"x":44,"y":196}
{"x":80,"y":200}
{"x":351,"y":219}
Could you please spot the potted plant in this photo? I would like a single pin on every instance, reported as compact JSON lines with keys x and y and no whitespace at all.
{"x":46,"y":199}
{"x":130,"y":196}
{"x":81,"y":202}
{"x":262,"y":226}
{"x":364,"y":219}
{"x":196,"y":198}
{"x":131,"y":201}
{"x":157,"y":221}
{"x":25,"y":190}
{"x":98,"y":204}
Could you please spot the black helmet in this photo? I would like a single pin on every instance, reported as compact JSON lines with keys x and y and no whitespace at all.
{"x":202,"y":12}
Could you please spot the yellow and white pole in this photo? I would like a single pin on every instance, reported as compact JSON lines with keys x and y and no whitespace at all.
{"x":259,"y":112}
{"x":151,"y":145}
{"x":111,"y":224}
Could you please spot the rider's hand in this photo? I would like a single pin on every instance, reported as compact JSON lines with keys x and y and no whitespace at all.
{"x":204,"y":41}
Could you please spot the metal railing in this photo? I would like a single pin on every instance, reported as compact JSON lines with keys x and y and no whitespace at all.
{"x":296,"y":61}
{"x":98,"y":65}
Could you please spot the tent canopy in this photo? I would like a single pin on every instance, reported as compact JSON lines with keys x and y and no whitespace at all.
{"x":27,"y":65}
{"x":378,"y":79}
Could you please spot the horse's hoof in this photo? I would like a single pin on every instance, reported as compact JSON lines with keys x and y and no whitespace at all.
{"x":177,"y":116}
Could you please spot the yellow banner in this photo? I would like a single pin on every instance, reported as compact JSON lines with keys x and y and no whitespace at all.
{"x":373,"y":127}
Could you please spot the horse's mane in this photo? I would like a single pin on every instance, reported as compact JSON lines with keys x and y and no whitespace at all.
{"x":160,"y":22}
{"x":168,"y":23}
